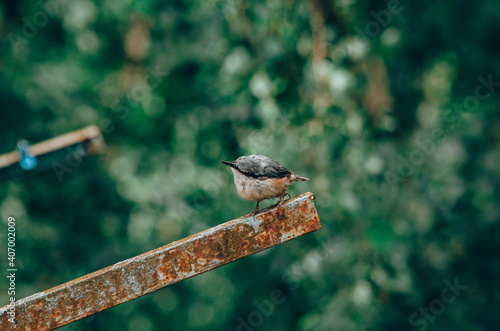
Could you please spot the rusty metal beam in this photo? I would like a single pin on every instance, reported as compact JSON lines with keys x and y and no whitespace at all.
{"x":164,"y":266}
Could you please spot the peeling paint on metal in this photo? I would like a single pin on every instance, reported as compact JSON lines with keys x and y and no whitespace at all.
{"x":153,"y":270}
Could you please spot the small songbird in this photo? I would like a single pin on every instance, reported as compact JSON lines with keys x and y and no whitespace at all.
{"x":258,"y":177}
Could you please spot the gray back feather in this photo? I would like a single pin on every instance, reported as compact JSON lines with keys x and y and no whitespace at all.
{"x":258,"y":166}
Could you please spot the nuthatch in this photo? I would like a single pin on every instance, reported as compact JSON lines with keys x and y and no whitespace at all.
{"x":258,"y":177}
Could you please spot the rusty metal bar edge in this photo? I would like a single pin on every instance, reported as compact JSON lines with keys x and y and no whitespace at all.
{"x":90,"y":133}
{"x":164,"y":266}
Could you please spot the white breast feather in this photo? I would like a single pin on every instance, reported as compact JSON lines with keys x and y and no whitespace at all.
{"x":259,"y":189}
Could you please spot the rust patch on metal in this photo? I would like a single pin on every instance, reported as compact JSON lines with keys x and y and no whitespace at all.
{"x":304,"y":207}
{"x":164,"y":266}
{"x":166,"y":271}
{"x":185,"y":265}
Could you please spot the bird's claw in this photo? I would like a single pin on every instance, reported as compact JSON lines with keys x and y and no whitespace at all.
{"x":282,"y":198}
{"x":255,"y":210}
{"x":281,"y":202}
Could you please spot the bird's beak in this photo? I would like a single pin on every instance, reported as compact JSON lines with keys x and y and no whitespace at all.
{"x":231,"y":164}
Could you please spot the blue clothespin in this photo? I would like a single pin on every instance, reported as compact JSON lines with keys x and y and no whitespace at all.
{"x":27,"y":159}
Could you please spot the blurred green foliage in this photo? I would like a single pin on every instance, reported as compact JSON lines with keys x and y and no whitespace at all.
{"x":385,"y":105}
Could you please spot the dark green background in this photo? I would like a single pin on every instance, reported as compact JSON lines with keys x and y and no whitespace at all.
{"x":380,"y":103}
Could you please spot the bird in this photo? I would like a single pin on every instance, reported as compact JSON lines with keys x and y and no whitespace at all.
{"x":258,"y":177}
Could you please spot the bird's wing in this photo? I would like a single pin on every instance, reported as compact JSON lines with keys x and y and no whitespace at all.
{"x":259,"y":166}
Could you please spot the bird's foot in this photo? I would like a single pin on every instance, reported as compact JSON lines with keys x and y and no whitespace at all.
{"x":255,"y":211}
{"x":281,"y":201}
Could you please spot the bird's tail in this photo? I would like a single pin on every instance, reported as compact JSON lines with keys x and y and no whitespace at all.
{"x":297,"y":178}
